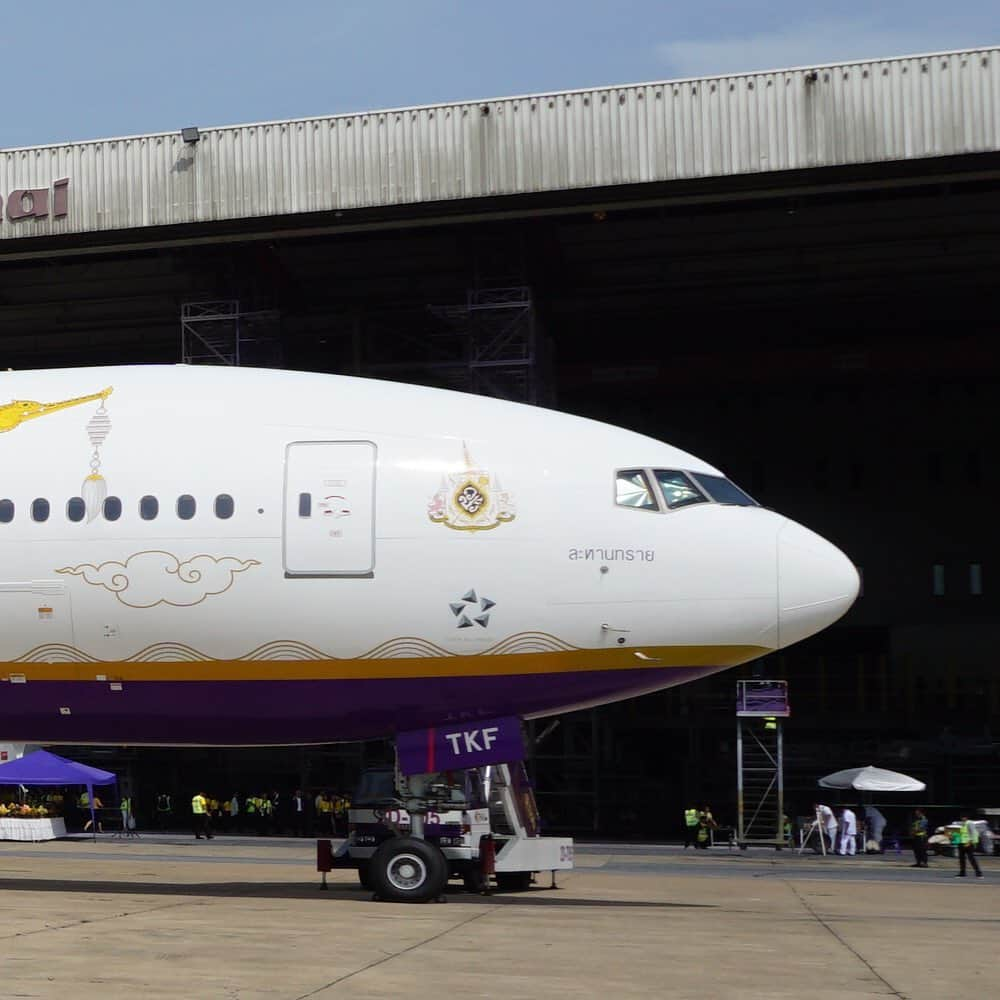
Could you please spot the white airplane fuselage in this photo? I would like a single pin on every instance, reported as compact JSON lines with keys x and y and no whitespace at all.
{"x":222,"y":556}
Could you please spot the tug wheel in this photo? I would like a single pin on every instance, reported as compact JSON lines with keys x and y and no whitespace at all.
{"x":364,"y":877}
{"x":474,"y":881}
{"x":514,"y":881}
{"x":407,"y":870}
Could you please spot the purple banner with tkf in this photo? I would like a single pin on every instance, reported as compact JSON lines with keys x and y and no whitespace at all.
{"x":459,"y":745}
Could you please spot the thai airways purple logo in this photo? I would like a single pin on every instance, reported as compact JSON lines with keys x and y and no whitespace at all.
{"x":459,"y":746}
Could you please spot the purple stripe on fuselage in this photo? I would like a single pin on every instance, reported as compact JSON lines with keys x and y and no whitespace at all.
{"x":244,"y":713}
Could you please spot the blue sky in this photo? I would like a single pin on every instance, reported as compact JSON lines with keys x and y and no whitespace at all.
{"x":90,"y":70}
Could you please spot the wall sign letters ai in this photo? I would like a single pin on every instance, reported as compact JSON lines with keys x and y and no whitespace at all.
{"x":37,"y":203}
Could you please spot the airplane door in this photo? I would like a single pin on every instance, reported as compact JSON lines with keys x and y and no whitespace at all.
{"x":329,"y":522}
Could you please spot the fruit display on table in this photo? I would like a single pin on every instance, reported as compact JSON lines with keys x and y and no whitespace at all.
{"x":15,"y":810}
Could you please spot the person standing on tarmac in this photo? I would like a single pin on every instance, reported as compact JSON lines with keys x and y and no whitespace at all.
{"x":875,"y":822}
{"x":265,"y":810}
{"x":321,"y":811}
{"x":164,"y":811}
{"x":199,"y":814}
{"x":706,"y":823}
{"x":968,"y":839}
{"x":83,"y":806}
{"x":126,"y":810}
{"x":98,"y":806}
{"x":826,"y":825}
{"x":298,"y":814}
{"x":250,"y":811}
{"x":341,"y":807}
{"x":690,"y":827}
{"x":918,"y":830}
{"x":324,"y":808}
{"x":848,"y":832}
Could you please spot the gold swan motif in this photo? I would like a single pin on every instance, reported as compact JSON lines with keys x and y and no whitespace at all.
{"x":16,"y":412}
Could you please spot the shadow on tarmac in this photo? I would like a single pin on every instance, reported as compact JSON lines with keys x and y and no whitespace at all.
{"x":284,"y":890}
{"x":549,"y":897}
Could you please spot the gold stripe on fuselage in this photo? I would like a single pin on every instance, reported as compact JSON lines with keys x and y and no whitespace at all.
{"x":460,"y":665}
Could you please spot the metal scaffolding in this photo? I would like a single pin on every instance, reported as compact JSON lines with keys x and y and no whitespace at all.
{"x":220,"y":333}
{"x":489,"y":344}
{"x":760,"y":708}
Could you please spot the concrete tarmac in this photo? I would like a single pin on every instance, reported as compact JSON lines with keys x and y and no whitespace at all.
{"x":241,"y":918}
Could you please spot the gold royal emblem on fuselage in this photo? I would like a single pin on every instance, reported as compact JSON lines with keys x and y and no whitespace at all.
{"x":470,"y":500}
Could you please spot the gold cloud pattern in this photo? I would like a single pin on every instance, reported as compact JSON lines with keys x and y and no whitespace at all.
{"x":149,"y":578}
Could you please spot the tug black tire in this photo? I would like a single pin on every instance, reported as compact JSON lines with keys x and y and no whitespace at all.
{"x":407,"y":870}
{"x":514,"y":881}
{"x":364,"y":876}
{"x":474,"y":881}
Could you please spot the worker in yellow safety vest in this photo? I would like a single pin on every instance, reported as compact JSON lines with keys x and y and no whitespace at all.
{"x":324,"y":809}
{"x":706,"y":823}
{"x":98,"y":805}
{"x":199,"y":814}
{"x":126,"y":810}
{"x":968,"y":840}
{"x":690,"y":826}
{"x":83,"y":806}
{"x":256,"y":814}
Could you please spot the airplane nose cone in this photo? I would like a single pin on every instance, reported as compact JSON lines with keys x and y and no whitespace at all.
{"x":817,"y":583}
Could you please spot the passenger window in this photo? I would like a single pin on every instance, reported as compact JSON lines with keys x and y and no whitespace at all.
{"x":76,"y":509}
{"x":112,"y":509}
{"x":224,"y":506}
{"x":678,"y":490}
{"x":186,"y":507}
{"x":39,"y":509}
{"x":722,"y":490}
{"x":305,"y":504}
{"x":6,"y":511}
{"x":149,"y":507}
{"x":632,"y":490}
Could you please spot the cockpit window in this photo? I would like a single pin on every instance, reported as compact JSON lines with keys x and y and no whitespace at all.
{"x":632,"y":490}
{"x":722,"y":490}
{"x":678,"y":490}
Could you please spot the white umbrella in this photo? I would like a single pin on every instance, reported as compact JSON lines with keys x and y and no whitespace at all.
{"x":872,"y":779}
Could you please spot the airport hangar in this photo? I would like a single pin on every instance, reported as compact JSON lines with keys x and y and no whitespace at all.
{"x":792,"y":274}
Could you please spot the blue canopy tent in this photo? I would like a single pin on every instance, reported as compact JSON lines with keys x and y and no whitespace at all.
{"x":44,"y":768}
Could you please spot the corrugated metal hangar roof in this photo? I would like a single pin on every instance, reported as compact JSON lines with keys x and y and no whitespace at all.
{"x":906,"y":108}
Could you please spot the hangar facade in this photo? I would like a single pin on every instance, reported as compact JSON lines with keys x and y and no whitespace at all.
{"x":791,"y":274}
